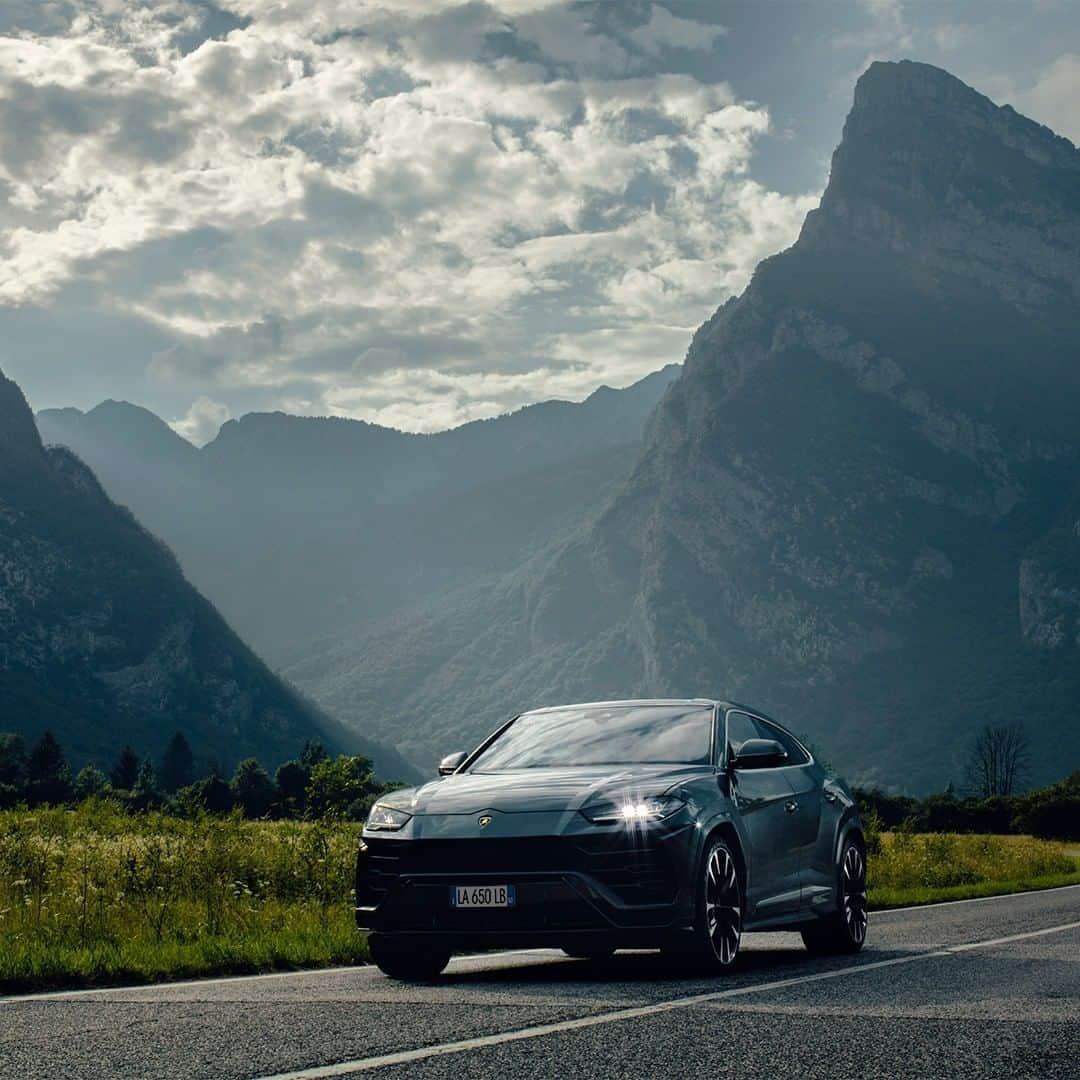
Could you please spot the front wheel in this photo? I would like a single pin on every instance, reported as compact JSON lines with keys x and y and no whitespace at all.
{"x":713,"y":945}
{"x":407,"y":959}
{"x":844,"y":931}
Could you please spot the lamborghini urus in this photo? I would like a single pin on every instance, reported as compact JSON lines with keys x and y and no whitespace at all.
{"x":678,"y":825}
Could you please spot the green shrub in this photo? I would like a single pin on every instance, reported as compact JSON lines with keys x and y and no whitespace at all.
{"x":1053,"y":816}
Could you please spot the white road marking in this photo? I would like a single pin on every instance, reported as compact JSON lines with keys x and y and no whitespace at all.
{"x":148,"y":988}
{"x":405,"y":1057}
{"x":972,"y":900}
{"x":60,"y":995}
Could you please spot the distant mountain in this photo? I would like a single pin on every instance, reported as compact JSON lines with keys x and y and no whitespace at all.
{"x":856,"y":507}
{"x":102,"y":639}
{"x":304,"y":529}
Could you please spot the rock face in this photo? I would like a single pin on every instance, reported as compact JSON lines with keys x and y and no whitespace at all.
{"x":853,"y":506}
{"x":102,"y":639}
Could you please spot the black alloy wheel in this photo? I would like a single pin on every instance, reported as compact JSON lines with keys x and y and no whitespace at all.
{"x":844,"y":931}
{"x":714,"y":943}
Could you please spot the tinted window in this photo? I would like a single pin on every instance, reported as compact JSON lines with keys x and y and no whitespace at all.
{"x":620,"y":735}
{"x":741,"y":727}
{"x":796,"y":754}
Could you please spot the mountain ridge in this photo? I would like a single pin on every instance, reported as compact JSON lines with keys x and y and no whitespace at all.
{"x":832,"y":508}
{"x":365,"y":521}
{"x":103,"y":641}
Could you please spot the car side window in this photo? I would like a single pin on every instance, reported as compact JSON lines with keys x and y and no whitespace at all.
{"x":796,"y":755}
{"x":740,"y":727}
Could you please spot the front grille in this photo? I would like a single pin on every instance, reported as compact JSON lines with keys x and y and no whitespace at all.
{"x":636,"y":874}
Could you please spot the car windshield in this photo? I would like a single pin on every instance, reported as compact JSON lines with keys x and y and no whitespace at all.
{"x":603,"y":735}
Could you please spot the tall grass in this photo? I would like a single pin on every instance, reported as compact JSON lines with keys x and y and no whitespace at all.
{"x":96,"y":894}
{"x":99,"y":895}
{"x":912,"y":868}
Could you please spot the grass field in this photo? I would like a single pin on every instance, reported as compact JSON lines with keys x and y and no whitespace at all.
{"x":95,"y":895}
{"x":925,"y":868}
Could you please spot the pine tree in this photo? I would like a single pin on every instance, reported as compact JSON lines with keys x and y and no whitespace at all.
{"x":144,"y":793}
{"x":12,"y":759}
{"x":312,"y":754}
{"x":252,"y":788}
{"x":12,"y":769}
{"x":126,"y":770}
{"x":47,"y":772}
{"x":177,"y":764}
{"x":292,"y":780}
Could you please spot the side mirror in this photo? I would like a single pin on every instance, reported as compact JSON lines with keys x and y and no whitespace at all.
{"x":451,"y":763}
{"x":759,"y":754}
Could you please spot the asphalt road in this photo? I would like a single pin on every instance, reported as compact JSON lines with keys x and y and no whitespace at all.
{"x":984,"y":988}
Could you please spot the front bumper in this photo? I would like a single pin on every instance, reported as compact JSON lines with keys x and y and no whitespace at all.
{"x":617,"y":883}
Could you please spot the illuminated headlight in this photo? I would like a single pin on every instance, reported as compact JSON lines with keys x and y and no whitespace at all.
{"x":385,"y":818}
{"x":633,"y":811}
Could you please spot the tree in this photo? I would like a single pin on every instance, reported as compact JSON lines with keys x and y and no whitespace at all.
{"x":292,"y":780}
{"x":12,"y":769}
{"x":211,"y":794}
{"x":177,"y":764}
{"x":998,"y":760}
{"x":253,"y":790}
{"x":48,"y":778}
{"x":90,"y":781}
{"x":313,"y":753}
{"x":126,"y":770}
{"x":144,"y":792}
{"x":342,"y":787}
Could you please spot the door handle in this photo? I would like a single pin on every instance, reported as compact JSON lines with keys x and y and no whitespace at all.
{"x":791,"y":807}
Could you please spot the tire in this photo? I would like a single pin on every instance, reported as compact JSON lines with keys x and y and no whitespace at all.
{"x":713,"y":944}
{"x":408,"y":959}
{"x":843,"y":931}
{"x":589,"y":952}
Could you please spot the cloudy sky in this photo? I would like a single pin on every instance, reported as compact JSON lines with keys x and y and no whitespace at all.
{"x":422,"y":212}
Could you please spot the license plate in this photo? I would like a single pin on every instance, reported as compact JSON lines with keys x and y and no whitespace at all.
{"x":473,"y":896}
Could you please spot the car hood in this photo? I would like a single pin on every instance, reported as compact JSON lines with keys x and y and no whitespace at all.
{"x":533,"y":790}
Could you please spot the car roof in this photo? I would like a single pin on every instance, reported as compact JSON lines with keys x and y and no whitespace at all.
{"x":704,"y":702}
{"x":627,"y":703}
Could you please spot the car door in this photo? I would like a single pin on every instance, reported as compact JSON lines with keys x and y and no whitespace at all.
{"x":763,"y":798}
{"x":807,"y":780}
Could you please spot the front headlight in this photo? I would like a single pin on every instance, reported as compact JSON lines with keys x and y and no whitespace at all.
{"x":385,"y":818}
{"x":632,"y":811}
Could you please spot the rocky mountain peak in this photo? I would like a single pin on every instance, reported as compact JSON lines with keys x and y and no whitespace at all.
{"x":870,"y":457}
{"x":18,"y":432}
{"x":927,"y":163}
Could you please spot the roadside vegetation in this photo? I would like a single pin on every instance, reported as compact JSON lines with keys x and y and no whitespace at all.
{"x":311,"y":785}
{"x":98,"y":894}
{"x":908,"y":868}
{"x":147,"y":873}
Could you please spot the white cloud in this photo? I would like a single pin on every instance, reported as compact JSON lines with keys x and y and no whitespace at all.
{"x":1055,"y":96}
{"x":202,"y":422}
{"x":665,"y":30}
{"x":397,"y":186}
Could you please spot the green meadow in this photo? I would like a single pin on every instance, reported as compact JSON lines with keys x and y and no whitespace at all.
{"x":96,"y":894}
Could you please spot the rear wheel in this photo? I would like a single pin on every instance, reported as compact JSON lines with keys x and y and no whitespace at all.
{"x":407,"y":959}
{"x":844,"y":931}
{"x":713,"y":945}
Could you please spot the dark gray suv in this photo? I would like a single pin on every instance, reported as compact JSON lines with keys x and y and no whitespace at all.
{"x":672,"y":824}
